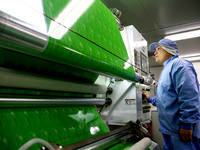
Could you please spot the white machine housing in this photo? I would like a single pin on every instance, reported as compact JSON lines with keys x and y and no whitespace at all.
{"x":137,"y":50}
{"x":127,"y":104}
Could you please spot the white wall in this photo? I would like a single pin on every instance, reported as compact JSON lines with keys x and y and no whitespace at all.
{"x":197,"y":68}
{"x":157,"y":71}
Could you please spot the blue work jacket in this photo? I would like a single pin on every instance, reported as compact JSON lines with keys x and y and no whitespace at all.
{"x":177,"y":98}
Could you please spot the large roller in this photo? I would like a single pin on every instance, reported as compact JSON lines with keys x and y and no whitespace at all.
{"x":79,"y":34}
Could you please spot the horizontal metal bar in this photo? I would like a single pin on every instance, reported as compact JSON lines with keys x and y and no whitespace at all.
{"x":101,"y":139}
{"x":21,"y":34}
{"x":106,"y":140}
{"x":72,"y":101}
{"x":20,"y":79}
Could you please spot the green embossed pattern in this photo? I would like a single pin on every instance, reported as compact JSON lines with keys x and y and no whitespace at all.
{"x":60,"y":125}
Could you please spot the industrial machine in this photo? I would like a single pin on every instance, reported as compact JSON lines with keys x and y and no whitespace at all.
{"x":67,"y":74}
{"x":127,"y":100}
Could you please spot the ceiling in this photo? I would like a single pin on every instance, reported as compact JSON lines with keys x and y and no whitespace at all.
{"x":155,"y":19}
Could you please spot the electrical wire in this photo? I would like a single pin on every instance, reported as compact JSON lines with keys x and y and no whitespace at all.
{"x":36,"y":140}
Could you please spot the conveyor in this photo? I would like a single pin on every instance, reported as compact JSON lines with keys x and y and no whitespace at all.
{"x":57,"y":60}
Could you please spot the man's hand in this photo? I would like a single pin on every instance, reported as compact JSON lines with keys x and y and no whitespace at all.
{"x":146,"y":94}
{"x":185,"y":135}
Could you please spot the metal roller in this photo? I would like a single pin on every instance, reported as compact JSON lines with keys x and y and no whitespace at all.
{"x":18,"y":33}
{"x":72,"y":101}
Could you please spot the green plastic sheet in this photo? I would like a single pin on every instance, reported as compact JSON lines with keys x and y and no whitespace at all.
{"x":84,"y":40}
{"x":85,"y":34}
{"x":60,"y":125}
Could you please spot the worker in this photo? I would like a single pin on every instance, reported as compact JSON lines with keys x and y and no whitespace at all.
{"x":177,"y":98}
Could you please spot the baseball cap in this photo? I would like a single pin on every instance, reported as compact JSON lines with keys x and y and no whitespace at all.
{"x":167,"y":44}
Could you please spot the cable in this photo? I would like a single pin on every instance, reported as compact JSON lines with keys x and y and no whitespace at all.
{"x":36,"y":140}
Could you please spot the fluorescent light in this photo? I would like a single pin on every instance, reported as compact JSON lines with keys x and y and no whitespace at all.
{"x":184,"y":35}
{"x":191,"y":57}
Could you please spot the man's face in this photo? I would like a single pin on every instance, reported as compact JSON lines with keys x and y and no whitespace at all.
{"x":161,"y":55}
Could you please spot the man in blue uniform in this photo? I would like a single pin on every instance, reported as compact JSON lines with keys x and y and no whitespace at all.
{"x":177,"y":98}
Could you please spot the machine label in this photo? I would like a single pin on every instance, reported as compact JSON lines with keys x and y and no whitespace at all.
{"x":130,"y":101}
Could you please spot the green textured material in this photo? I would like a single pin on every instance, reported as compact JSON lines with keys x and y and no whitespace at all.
{"x":86,"y":38}
{"x":92,"y":20}
{"x":61,"y":125}
{"x":19,"y":61}
{"x":92,"y":46}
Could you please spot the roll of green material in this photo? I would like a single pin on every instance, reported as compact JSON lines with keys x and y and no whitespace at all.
{"x":87,"y":36}
{"x":20,"y":61}
{"x":60,"y":125}
{"x":82,"y":34}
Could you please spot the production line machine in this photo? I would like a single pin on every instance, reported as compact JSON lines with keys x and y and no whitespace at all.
{"x":70,"y":79}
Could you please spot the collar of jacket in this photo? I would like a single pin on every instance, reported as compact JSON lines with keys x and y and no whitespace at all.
{"x":170,"y":59}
